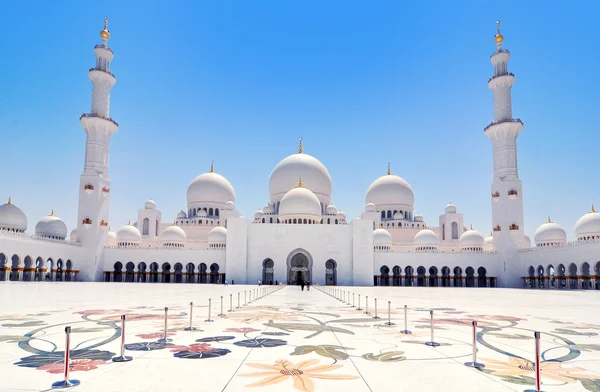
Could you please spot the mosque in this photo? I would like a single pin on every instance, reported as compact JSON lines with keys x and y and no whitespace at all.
{"x":300,"y":235}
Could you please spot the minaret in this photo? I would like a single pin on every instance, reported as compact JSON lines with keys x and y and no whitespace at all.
{"x":94,"y":187}
{"x":507,"y":189}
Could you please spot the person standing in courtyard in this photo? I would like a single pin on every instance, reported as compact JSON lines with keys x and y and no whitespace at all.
{"x":302,"y":285}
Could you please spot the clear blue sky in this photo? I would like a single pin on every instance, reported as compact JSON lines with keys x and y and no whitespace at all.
{"x":363,"y":83}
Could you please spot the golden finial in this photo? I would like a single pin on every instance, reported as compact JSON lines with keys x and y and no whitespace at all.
{"x":471,"y":228}
{"x":212,"y":167}
{"x":549,"y":221}
{"x":129,"y":222}
{"x":425,"y":226}
{"x":300,"y":148}
{"x":104,"y":33}
{"x":389,"y":169}
{"x":300,"y":183}
{"x":52,"y":213}
{"x":593,"y":210}
{"x":9,"y":202}
{"x":381,"y":225}
{"x":499,"y":37}
{"x":174,"y":222}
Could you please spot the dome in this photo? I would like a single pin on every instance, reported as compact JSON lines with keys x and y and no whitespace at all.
{"x":370,"y":207}
{"x":51,"y":226}
{"x":331,"y":210}
{"x":314,"y":174}
{"x":210,"y":188}
{"x":390,"y":190}
{"x":218,"y":235}
{"x":418,"y":217}
{"x":73,"y":235}
{"x":398,"y":215}
{"x":450,"y":208}
{"x":150,"y":205}
{"x":526,"y":241}
{"x":472,"y":239}
{"x":181,"y":215}
{"x":489,"y":241}
{"x":341,"y":215}
{"x":258,"y":214}
{"x":112,"y":236}
{"x":128,"y":233}
{"x":588,"y":225}
{"x":173,"y":235}
{"x":229,"y":205}
{"x":201,"y":214}
{"x":12,"y":218}
{"x":550,"y":233}
{"x":381,"y":237}
{"x":426,"y":237}
{"x":300,"y":202}
{"x":268,"y":209}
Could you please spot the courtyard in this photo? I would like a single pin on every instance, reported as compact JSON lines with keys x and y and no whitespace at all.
{"x":293,"y":340}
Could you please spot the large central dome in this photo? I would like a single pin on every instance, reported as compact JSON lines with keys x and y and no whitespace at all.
{"x":315,"y":177}
{"x":210,"y":188}
{"x":390,"y":191}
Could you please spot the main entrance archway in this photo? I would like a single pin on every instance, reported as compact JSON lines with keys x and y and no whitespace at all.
{"x":299,"y":268}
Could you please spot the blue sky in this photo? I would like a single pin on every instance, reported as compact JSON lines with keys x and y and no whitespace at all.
{"x":363,"y":83}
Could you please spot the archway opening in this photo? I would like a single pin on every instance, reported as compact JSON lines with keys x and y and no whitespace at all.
{"x":408,"y":276}
{"x":166,"y":273}
{"x":397,"y":277}
{"x":299,"y":269}
{"x":189,"y":273}
{"x":445,"y":277}
{"x":178,"y":273}
{"x":470,"y":281}
{"x":141,"y":276}
{"x":330,"y":273}
{"x":268,"y":271}
{"x":421,"y":276}
{"x":203,"y":274}
{"x":14,"y":268}
{"x":129,"y":275}
{"x":481,"y":277}
{"x":385,"y":276}
{"x":433,"y":277}
{"x":214,"y":273}
{"x":118,"y":272}
{"x":154,"y":272}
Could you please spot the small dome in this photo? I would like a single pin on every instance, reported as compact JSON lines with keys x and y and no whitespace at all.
{"x":229,"y":205}
{"x":489,"y":241}
{"x":181,"y":215}
{"x":426,"y":237}
{"x":12,"y":218}
{"x":300,"y":202}
{"x":331,"y":210}
{"x":129,"y":233}
{"x":150,"y":205}
{"x":450,"y":208}
{"x":112,"y":236}
{"x":390,"y":191}
{"x":382,"y":237}
{"x":398,"y":216}
{"x":341,"y":215}
{"x":269,"y":209}
{"x":418,"y":218}
{"x":258,"y":214}
{"x":218,"y":235}
{"x":51,"y":226}
{"x":471,"y":239}
{"x":550,"y":233}
{"x":173,"y":235}
{"x":370,"y":207}
{"x":588,"y":225}
{"x":73,"y":235}
{"x":526,"y":241}
{"x":202,"y":214}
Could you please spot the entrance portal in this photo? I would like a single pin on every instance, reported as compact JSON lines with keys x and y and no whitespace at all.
{"x":299,"y":270}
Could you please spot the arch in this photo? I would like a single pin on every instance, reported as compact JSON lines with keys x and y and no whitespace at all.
{"x":27,"y":269}
{"x":454,"y":230}
{"x":189,"y":273}
{"x":117,"y":271}
{"x":156,"y":228}
{"x":49,"y":264}
{"x":141,"y":275}
{"x":445,"y":276}
{"x":154,"y":272}
{"x":540,"y":276}
{"x":299,"y":266}
{"x":129,"y":275}
{"x":15,"y":263}
{"x":214,"y":273}
{"x":145,"y":226}
{"x":330,"y":273}
{"x":481,"y":277}
{"x":202,"y":273}
{"x":385,"y":275}
{"x":268,"y":271}
{"x":421,"y":276}
{"x":211,"y":212}
{"x":408,"y":276}
{"x":216,"y":212}
{"x":69,"y":271}
{"x":382,"y":214}
{"x":3,"y":266}
{"x":433,"y":276}
{"x":166,"y":273}
{"x":457,"y":277}
{"x":470,"y":281}
{"x":586,"y":282}
{"x":443,"y":232}
{"x":550,"y":273}
{"x":59,"y":270}
{"x":178,"y":273}
{"x":396,"y":279}
{"x":263,"y":220}
{"x":39,"y":268}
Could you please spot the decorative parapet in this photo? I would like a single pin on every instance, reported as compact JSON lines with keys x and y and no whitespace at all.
{"x":103,"y":47}
{"x":102,"y":70}
{"x":6,"y":233}
{"x":504,"y":74}
{"x":556,"y":246}
{"x":508,"y":120}
{"x":93,"y":115}
{"x":499,"y":51}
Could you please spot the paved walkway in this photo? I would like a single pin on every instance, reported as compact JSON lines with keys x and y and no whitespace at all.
{"x":291,"y":340}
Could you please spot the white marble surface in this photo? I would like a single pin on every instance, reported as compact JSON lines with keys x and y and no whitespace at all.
{"x":307,"y":341}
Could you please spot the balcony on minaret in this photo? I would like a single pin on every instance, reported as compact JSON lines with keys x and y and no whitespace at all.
{"x":500,"y":75}
{"x":506,"y":120}
{"x":88,"y":187}
{"x":87,"y":221}
{"x":513,"y":227}
{"x":93,"y":115}
{"x":497,"y":228}
{"x":102,"y":70}
{"x":105,"y":189}
{"x":496,"y":195}
{"x":512,"y":193}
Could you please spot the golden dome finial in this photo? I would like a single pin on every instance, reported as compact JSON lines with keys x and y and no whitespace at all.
{"x":212,"y":166}
{"x":300,"y":183}
{"x":389,"y":169}
{"x":129,"y":222}
{"x":105,"y":34}
{"x":425,"y":226}
{"x":471,"y":228}
{"x":300,"y":147}
{"x":9,"y":202}
{"x":549,"y":221}
{"x":499,"y":37}
{"x":52,"y":213}
{"x":174,"y":222}
{"x":593,"y":210}
{"x":381,"y":225}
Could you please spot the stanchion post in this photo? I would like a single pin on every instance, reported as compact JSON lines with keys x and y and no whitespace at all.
{"x":237,"y":307}
{"x":230,"y":302}
{"x":358,"y":303}
{"x":221,"y":314}
{"x":389,"y":322}
{"x":245,"y":298}
{"x":475,"y":364}
{"x":376,"y":316}
{"x":538,"y":380}
{"x":367,"y":304}
{"x":66,"y":383}
{"x":353,"y":301}
{"x":164,"y":339}
{"x":209,"y":307}
{"x":433,"y":343}
{"x":406,"y":331}
{"x":122,"y":357}
{"x":190,"y":327}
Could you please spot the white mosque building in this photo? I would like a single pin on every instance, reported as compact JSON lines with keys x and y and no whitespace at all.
{"x":300,"y":234}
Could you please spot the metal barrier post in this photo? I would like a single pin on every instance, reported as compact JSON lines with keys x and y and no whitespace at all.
{"x":164,"y":338}
{"x":433,"y":343}
{"x":221,"y":314}
{"x":538,"y":379}
{"x":358,"y":303}
{"x":122,"y":357}
{"x":66,"y":383}
{"x":406,"y":331}
{"x":190,"y":327}
{"x":389,"y":322}
{"x":209,"y":307}
{"x":367,"y":304}
{"x":376,"y":316}
{"x":475,"y":364}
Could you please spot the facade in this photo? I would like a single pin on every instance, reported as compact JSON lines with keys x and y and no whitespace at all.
{"x":300,"y":235}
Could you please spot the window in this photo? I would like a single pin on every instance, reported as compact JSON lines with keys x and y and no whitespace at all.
{"x":454,"y":230}
{"x":146,"y":226}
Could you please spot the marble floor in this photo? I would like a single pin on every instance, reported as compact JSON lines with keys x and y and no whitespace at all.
{"x":293,"y":340}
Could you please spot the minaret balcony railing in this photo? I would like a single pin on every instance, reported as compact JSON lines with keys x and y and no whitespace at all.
{"x":499,"y":51}
{"x":496,"y":195}
{"x":103,"y":223}
{"x":88,"y":187}
{"x":87,"y":221}
{"x":507,"y":120}
{"x":103,"y":47}
{"x":105,"y":189}
{"x":498,"y":76}
{"x":513,"y":192}
{"x":497,"y":228}
{"x":513,"y":227}
{"x":99,"y":116}
{"x":102,"y":70}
